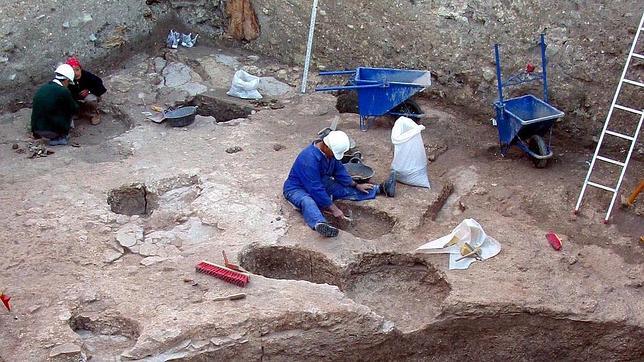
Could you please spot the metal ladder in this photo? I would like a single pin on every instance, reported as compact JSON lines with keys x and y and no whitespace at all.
{"x":605,"y":131}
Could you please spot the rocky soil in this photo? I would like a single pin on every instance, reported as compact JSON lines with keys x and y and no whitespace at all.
{"x":100,"y":241}
{"x":588,"y":43}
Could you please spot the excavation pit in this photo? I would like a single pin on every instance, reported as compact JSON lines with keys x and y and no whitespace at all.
{"x":283,"y":262}
{"x":402,"y":288}
{"x":367,"y":223}
{"x":105,"y":336}
{"x":134,"y":199}
{"x":113,"y":123}
{"x":221,"y":106}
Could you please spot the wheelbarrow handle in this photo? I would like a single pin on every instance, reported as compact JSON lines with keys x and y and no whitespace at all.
{"x":337,"y":72}
{"x":343,"y":87}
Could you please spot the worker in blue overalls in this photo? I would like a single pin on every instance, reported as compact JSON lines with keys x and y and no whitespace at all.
{"x":318,"y":177}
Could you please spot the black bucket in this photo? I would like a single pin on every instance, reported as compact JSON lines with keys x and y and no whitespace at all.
{"x":181,"y":117}
{"x":359,"y":172}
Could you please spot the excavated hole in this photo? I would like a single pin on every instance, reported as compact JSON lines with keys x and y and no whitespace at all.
{"x":403,"y":288}
{"x":105,"y":336}
{"x":367,"y":223}
{"x":284,"y":262}
{"x":114,"y":122}
{"x":218,"y":107}
{"x":132,"y":199}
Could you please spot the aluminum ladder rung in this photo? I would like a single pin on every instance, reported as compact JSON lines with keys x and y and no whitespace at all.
{"x":620,"y":135}
{"x":596,"y":157}
{"x":609,"y":160}
{"x":633,"y":82}
{"x":601,"y":186}
{"x":627,"y":109}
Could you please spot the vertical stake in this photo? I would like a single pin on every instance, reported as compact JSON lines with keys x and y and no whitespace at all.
{"x":309,"y":45}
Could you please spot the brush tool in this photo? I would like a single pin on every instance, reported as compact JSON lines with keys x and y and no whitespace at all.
{"x":554,"y":240}
{"x":230,"y":265}
{"x":453,"y":241}
{"x":467,"y":251}
{"x":223,"y":273}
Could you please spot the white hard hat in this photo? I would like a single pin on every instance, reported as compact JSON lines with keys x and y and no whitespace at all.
{"x":65,"y":71}
{"x":338,"y":142}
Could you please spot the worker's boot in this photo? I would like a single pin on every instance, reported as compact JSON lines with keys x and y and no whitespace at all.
{"x":59,"y":141}
{"x":388,"y":188}
{"x":326,"y":229}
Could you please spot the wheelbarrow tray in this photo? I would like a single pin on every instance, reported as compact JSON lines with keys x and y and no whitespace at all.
{"x":523,"y":117}
{"x":528,"y":109}
{"x":380,"y":90}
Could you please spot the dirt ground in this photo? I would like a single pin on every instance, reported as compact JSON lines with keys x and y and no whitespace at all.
{"x":100,"y":242}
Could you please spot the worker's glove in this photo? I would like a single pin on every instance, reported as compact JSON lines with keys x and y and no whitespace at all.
{"x":84,"y":93}
{"x":364,"y":188}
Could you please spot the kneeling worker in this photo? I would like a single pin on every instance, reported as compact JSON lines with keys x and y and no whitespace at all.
{"x":53,"y":108}
{"x":318,"y":177}
{"x":87,"y":90}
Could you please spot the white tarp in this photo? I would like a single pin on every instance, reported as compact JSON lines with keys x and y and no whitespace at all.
{"x":468,"y":231}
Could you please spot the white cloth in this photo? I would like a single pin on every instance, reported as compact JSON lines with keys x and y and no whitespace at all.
{"x":468,"y":231}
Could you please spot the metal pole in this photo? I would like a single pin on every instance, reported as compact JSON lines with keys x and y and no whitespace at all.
{"x":309,"y":45}
{"x":499,"y":78}
{"x":544,"y":65}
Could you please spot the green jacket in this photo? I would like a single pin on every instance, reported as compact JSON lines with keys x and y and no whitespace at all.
{"x":53,"y":107}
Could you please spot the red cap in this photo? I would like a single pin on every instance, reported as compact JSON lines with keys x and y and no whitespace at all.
{"x":74,"y":62}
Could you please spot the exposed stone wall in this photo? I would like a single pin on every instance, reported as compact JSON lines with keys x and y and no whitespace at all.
{"x":587,"y":41}
{"x":41,"y":34}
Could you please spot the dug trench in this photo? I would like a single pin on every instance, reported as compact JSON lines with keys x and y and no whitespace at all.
{"x":105,"y":334}
{"x":405,"y":289}
{"x":411,"y":293}
{"x":365,"y":222}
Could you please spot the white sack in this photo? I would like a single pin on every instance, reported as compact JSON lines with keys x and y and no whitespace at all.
{"x":244,"y":86}
{"x":410,"y":160}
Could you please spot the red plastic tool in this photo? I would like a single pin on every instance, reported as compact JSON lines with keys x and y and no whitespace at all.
{"x":554,"y":240}
{"x":223,"y":273}
{"x":5,"y":300}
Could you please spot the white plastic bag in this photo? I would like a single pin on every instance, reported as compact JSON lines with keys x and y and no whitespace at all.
{"x":410,"y":160}
{"x":468,"y":231}
{"x":244,"y":86}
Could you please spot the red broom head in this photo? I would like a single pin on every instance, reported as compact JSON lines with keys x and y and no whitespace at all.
{"x":223,"y":273}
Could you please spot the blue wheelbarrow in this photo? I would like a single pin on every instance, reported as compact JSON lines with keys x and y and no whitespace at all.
{"x":383,"y":91}
{"x":524,"y":121}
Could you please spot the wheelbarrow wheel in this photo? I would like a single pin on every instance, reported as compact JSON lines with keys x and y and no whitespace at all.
{"x":409,"y":106}
{"x":537,"y":145}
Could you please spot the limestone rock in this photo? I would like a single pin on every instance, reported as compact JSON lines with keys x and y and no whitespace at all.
{"x":148,"y":249}
{"x":67,"y":352}
{"x":243,"y":23}
{"x":112,"y":255}
{"x":269,"y":86}
{"x":176,"y":74}
{"x":129,"y":235}
{"x":151,"y":260}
